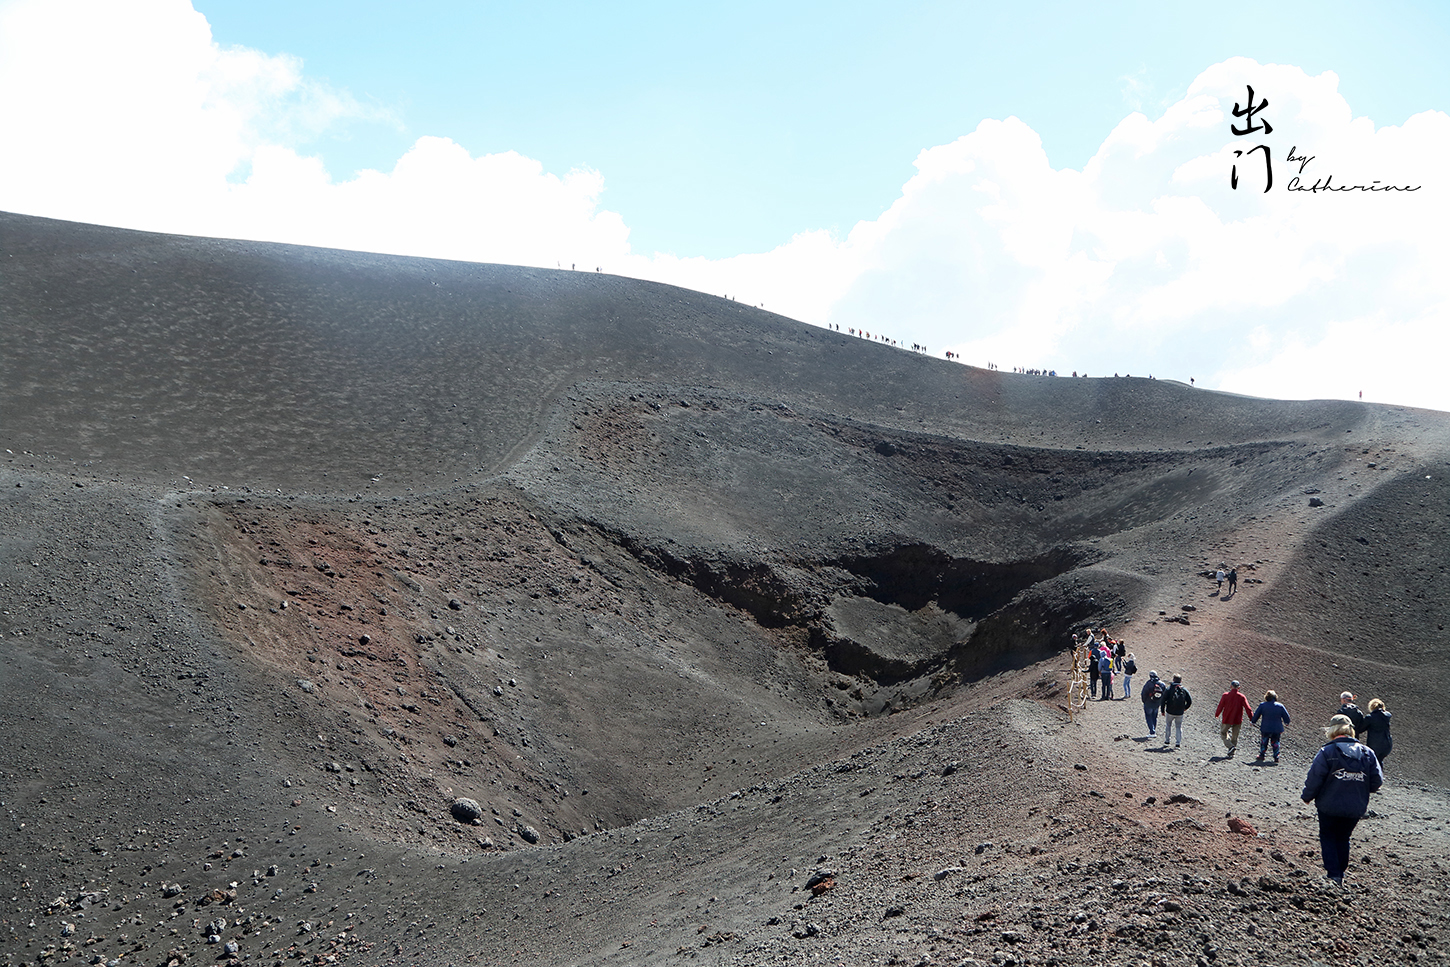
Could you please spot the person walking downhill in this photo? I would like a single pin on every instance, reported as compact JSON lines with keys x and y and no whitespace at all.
{"x":1130,"y":668}
{"x":1176,"y":701}
{"x":1233,"y":581}
{"x":1340,"y":781}
{"x":1377,"y":730}
{"x":1152,"y":695}
{"x":1232,"y":706}
{"x":1349,"y":710}
{"x":1270,"y":717}
{"x":1105,"y":672}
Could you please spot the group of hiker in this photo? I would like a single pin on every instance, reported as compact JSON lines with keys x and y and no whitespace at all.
{"x":1107,"y":658}
{"x":1345,"y":770}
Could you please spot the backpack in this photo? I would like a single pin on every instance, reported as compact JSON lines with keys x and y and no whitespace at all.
{"x":1176,"y":697}
{"x":1153,"y":693}
{"x":1130,"y":667}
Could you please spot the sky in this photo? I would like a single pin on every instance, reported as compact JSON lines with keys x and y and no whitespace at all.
{"x":1039,"y":185}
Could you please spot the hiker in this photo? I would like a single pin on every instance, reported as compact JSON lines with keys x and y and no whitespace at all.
{"x":1093,"y":670}
{"x":1271,"y":717}
{"x":1219,"y":576}
{"x":1233,"y":581}
{"x":1232,"y":706}
{"x":1349,"y":710}
{"x":1105,"y":672}
{"x":1130,"y":668}
{"x":1377,"y":730}
{"x":1152,"y":695}
{"x":1176,"y":701}
{"x":1340,"y":781}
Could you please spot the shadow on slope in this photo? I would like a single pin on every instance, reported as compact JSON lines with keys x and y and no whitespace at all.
{"x":1367,"y":589}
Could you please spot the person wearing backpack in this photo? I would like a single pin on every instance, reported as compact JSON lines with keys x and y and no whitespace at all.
{"x":1176,"y":701}
{"x":1340,"y":781}
{"x":1130,"y":668}
{"x":1152,"y":694}
{"x":1105,"y":672}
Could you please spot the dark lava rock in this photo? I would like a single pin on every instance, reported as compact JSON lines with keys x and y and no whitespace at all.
{"x":466,"y":810}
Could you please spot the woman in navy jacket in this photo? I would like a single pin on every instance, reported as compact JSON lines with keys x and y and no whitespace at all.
{"x":1270,"y":717}
{"x":1340,"y":781}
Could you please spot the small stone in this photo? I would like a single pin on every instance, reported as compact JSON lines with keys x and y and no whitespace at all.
{"x":169,"y":890}
{"x":231,"y":947}
{"x":529,"y":833}
{"x":1079,"y":767}
{"x":455,"y":604}
{"x":364,"y":639}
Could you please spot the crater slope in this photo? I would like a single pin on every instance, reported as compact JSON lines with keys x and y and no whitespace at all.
{"x":297,"y":547}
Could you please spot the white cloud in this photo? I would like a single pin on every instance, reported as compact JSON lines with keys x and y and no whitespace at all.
{"x":1143,"y":262}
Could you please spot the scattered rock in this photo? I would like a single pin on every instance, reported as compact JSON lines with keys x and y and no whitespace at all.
{"x":170,"y":890}
{"x":1187,"y":822}
{"x":1241,"y":826}
{"x":1315,"y":502}
{"x":528,"y":833}
{"x":306,"y":685}
{"x":466,"y":810}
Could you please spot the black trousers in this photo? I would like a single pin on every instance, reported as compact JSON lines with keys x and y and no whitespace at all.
{"x":1334,"y":832}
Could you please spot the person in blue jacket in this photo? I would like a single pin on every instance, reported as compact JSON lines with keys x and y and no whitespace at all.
{"x":1270,"y":717}
{"x":1340,"y":781}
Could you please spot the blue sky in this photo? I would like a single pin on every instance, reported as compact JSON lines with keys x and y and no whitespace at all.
{"x":1038,"y":185}
{"x":727,"y":128}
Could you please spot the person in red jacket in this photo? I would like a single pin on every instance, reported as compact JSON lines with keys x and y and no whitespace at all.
{"x":1232,"y":707}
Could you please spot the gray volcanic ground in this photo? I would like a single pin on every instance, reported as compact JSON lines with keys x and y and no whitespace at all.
{"x":746,"y":637}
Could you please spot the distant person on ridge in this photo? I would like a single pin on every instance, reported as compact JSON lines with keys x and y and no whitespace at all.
{"x":1152,"y":695}
{"x":1176,"y":701}
{"x":1271,"y":717}
{"x":1349,"y":710}
{"x":1232,"y":706}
